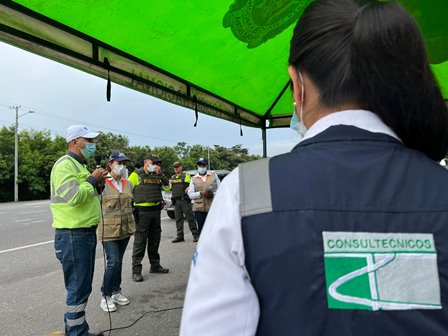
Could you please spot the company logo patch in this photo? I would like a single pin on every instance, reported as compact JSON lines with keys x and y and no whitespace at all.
{"x":381,"y":271}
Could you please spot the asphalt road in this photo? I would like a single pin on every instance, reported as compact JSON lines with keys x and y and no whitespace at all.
{"x":32,"y":292}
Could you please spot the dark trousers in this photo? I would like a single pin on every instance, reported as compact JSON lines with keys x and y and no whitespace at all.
{"x":147,"y":235}
{"x":112,"y":276}
{"x":183,"y":210}
{"x":75,"y":249}
{"x":200,"y":218}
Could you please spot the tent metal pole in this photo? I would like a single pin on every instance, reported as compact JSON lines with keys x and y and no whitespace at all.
{"x":263,"y":136}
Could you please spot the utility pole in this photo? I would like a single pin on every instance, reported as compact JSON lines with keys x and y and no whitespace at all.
{"x":16,"y":152}
{"x":208,"y":159}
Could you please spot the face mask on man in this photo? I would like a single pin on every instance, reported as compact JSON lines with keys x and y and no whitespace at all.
{"x":119,"y":169}
{"x":150,"y":168}
{"x":89,"y":150}
{"x":202,"y":170}
{"x":295,"y":123}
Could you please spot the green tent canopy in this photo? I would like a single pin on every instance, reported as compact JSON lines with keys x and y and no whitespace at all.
{"x":227,"y":59}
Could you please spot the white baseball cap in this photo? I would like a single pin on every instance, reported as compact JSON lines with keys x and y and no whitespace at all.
{"x":79,"y":131}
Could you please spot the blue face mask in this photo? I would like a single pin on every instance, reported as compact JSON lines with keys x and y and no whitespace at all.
{"x":202,"y":170}
{"x":296,"y":124}
{"x":89,"y":150}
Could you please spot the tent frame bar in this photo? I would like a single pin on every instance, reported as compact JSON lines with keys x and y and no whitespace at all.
{"x":227,"y":114}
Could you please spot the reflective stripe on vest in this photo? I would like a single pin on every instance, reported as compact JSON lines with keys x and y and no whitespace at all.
{"x":66,"y":186}
{"x":255,"y":188}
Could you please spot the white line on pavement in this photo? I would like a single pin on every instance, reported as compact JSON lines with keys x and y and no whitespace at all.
{"x":43,"y":243}
{"x":34,"y":212}
{"x":27,"y":246}
{"x":39,"y":221}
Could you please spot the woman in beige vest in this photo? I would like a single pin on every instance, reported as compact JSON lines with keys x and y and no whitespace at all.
{"x":115,"y":230}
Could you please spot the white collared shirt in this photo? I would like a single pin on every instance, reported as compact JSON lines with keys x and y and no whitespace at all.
{"x":363,"y":119}
{"x":118,"y":185}
{"x":220,"y":299}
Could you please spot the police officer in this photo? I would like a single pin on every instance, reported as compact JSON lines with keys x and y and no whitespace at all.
{"x":148,"y":183}
{"x":180,"y":182}
{"x":75,"y":206}
{"x":343,"y":235}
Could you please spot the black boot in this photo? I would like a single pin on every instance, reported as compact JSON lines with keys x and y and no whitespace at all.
{"x":137,"y":277}
{"x":178,"y":240}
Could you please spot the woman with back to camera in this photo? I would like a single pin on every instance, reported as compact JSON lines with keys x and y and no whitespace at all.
{"x":115,"y":230}
{"x":347,"y":234}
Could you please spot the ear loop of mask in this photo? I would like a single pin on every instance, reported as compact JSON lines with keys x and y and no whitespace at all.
{"x":302,"y":95}
{"x":295,"y":121}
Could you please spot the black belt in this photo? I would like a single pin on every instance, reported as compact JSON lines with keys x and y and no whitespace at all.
{"x":148,"y":208}
{"x":183,"y":198}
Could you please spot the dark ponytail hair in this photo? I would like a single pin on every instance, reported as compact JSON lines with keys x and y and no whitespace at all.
{"x":371,"y":53}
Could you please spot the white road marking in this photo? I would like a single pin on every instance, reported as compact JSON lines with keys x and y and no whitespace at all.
{"x":39,"y":221}
{"x":26,"y":246}
{"x":34,"y":212}
{"x":38,"y":244}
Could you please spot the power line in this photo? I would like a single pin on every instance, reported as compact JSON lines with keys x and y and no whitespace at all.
{"x":7,"y":104}
{"x":50,"y":115}
{"x":6,"y":123}
{"x":107,"y":128}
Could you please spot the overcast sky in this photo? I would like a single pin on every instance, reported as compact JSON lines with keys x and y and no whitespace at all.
{"x":62,"y":96}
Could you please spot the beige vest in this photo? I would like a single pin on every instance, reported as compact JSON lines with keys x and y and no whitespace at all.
{"x":117,"y":212}
{"x":203,"y":204}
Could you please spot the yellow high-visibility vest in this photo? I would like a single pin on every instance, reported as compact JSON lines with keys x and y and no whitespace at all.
{"x":74,"y":202}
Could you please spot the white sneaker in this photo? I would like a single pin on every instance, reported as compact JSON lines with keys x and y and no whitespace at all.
{"x":107,"y":304}
{"x":120,"y":299}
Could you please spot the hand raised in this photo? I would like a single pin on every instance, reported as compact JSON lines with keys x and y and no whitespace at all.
{"x":157,"y":169}
{"x":100,"y":174}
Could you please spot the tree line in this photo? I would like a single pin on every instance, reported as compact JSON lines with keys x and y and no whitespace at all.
{"x":38,"y":151}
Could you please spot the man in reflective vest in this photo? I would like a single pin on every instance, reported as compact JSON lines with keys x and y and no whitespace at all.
{"x":180,"y":182}
{"x":75,"y":207}
{"x":148,"y":183}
